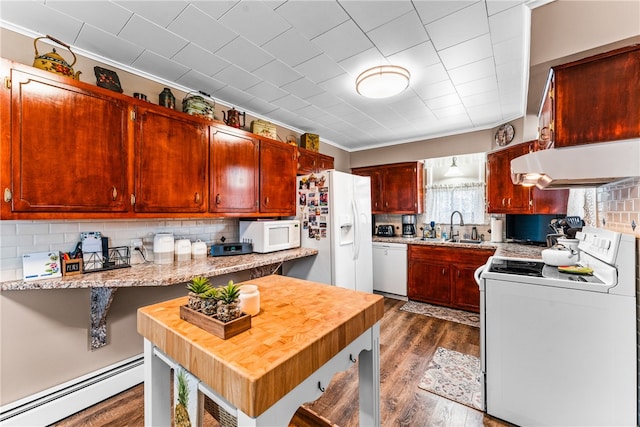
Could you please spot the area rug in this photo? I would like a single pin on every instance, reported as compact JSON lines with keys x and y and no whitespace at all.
{"x":451,"y":314}
{"x":455,"y":376}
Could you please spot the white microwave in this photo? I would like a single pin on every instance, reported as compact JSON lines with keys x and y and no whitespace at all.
{"x":271,"y":236}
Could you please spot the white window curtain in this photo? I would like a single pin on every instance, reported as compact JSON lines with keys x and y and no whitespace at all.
{"x":468,"y":198}
{"x":465,"y":193}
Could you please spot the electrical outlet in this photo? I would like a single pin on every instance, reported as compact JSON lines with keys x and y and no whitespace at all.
{"x":136,"y":243}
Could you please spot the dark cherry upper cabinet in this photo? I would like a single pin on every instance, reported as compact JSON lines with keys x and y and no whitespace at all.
{"x":502,"y":195}
{"x":594,"y":99}
{"x":64,"y":146}
{"x":234,"y":184}
{"x":278,"y":163}
{"x":396,"y":188}
{"x":170,"y":162}
{"x":312,"y":161}
{"x":505,"y":197}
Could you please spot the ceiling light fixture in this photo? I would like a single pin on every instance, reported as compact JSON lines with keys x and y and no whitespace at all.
{"x":454,"y":170}
{"x":382,"y":81}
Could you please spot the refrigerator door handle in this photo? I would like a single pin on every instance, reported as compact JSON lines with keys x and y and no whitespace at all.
{"x":356,"y":230}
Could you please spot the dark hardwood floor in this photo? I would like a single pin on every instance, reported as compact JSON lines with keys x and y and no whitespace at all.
{"x":407,"y":344}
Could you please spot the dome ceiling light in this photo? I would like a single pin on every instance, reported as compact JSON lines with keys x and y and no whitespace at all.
{"x":382,"y":81}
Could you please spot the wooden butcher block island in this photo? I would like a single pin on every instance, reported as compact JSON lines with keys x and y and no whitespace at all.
{"x":304,"y":334}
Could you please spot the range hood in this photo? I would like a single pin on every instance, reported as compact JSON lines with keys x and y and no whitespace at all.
{"x":587,"y":165}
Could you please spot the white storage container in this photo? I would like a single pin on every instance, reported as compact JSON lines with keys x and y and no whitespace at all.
{"x":163,"y":248}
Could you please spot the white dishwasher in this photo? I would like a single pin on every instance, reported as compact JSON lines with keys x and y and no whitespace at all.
{"x":390,"y":269}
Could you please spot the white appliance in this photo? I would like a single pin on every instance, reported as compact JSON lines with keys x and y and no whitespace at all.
{"x":560,"y":349}
{"x":390,"y":269}
{"x":335,"y":210}
{"x":586,"y":165}
{"x":271,"y":235}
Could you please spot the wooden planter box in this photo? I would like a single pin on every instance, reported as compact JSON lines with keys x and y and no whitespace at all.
{"x":214,"y":326}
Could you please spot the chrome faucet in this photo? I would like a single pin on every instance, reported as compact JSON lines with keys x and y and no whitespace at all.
{"x":451,"y":236}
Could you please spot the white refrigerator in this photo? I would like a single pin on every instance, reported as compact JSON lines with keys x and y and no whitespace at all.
{"x":334,"y":209}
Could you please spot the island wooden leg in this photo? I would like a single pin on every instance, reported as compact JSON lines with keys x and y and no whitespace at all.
{"x":369,"y":380}
{"x":157,"y":388}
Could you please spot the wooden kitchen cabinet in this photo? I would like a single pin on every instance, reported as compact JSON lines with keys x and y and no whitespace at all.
{"x":443,"y":275}
{"x":505,"y":197}
{"x":592,"y":100}
{"x":66,"y":148}
{"x":312,"y":161}
{"x":235,"y":165}
{"x":170,"y":162}
{"x":396,"y":188}
{"x":278,"y":164}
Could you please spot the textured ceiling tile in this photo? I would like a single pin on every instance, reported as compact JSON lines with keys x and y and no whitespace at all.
{"x":107,"y":45}
{"x":362,"y":61}
{"x":229,"y":95}
{"x":303,"y":88}
{"x":200,"y":82}
{"x":141,"y":32}
{"x":370,"y":15}
{"x":431,"y":10}
{"x":237,"y":77}
{"x":161,"y":12}
{"x":244,"y":54}
{"x":278,"y":73}
{"x":475,"y":71}
{"x":291,"y":103}
{"x":216,"y":9}
{"x":267,"y":92}
{"x":201,"y":29}
{"x":467,"y":52}
{"x":41,"y":19}
{"x":193,"y":56}
{"x":105,"y":15}
{"x":319,"y":68}
{"x":160,"y":66}
{"x":507,"y":24}
{"x":291,"y":48}
{"x":343,"y":41}
{"x":402,"y":33}
{"x":415,"y":57}
{"x":303,"y":15}
{"x":458,"y":27}
{"x":254,"y":21}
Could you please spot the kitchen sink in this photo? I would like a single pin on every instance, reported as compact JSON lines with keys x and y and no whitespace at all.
{"x":477,"y":242}
{"x":432,"y":239}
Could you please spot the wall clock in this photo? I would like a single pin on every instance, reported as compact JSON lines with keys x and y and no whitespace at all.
{"x":505,"y":134}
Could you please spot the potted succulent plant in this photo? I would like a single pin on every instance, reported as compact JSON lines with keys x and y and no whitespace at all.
{"x":197,"y":288}
{"x":228,"y":307}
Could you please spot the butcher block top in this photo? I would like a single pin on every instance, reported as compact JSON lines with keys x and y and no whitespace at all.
{"x":301,"y":326}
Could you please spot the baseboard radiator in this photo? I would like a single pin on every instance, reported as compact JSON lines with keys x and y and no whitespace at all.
{"x":56,"y":403}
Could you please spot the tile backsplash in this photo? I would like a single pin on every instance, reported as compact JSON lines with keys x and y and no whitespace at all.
{"x":20,"y":237}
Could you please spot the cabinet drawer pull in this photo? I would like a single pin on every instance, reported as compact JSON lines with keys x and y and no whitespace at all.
{"x":503,"y":201}
{"x":7,"y":195}
{"x":196,"y":197}
{"x":266,"y":201}
{"x":509,"y":202}
{"x":218,"y":199}
{"x":133,"y":200}
{"x":114,"y":193}
{"x":443,"y":271}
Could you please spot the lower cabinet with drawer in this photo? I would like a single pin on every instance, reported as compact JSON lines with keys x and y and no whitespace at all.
{"x":443,"y":275}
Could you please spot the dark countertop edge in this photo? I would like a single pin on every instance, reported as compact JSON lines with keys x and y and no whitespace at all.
{"x":150,"y":274}
{"x":506,"y":249}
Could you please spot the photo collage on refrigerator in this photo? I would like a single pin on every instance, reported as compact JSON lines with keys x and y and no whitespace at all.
{"x":313,"y":204}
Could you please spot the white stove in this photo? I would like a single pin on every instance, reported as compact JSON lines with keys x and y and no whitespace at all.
{"x":559,"y":349}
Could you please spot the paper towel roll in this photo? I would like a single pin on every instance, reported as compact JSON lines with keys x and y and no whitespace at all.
{"x":496,"y":230}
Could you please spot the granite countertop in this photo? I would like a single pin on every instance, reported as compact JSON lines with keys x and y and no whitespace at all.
{"x":506,"y":249}
{"x":150,"y":274}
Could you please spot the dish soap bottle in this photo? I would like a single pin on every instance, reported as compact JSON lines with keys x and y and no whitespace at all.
{"x":438,"y":232}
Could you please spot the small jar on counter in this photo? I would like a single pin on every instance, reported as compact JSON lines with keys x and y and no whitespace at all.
{"x":250,"y":299}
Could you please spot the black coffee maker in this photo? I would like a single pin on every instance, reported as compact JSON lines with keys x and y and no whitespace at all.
{"x":408,"y":226}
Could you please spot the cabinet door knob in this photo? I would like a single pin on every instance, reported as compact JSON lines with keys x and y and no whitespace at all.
{"x":7,"y":195}
{"x":503,"y":201}
{"x":114,"y":193}
{"x":266,"y":201}
{"x":218,"y":199}
{"x":196,"y":197}
{"x":443,"y":271}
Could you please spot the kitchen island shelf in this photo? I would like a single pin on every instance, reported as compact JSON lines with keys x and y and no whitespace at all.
{"x":103,"y":285}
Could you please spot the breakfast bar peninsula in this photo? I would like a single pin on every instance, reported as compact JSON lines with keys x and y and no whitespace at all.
{"x":304,"y":334}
